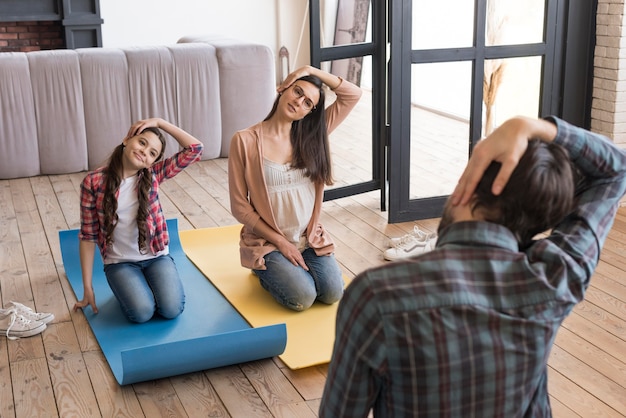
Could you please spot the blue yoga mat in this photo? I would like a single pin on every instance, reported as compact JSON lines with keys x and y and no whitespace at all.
{"x":209,"y":333}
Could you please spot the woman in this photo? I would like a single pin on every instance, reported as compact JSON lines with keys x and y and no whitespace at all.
{"x":277,"y":170}
{"x":121,"y":213}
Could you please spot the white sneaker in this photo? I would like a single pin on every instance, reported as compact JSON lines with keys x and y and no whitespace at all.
{"x":418,"y":234}
{"x":28,"y":313}
{"x":15,"y":325}
{"x":409,"y":246}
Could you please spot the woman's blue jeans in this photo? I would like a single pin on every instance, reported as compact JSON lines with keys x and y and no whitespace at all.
{"x":147,"y":287}
{"x":297,"y":289}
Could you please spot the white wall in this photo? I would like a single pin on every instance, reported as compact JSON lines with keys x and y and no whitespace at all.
{"x":293,"y":31}
{"x":162,"y":22}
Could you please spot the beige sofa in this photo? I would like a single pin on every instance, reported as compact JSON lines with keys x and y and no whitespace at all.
{"x":64,"y":111}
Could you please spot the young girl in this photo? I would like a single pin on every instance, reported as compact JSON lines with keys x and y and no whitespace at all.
{"x":277,"y":170}
{"x":121,"y":213}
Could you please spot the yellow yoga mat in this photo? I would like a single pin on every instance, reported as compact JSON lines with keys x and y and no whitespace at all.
{"x":310,"y":334}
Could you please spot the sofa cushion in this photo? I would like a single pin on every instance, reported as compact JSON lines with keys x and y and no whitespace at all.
{"x":106,"y":98}
{"x":19,"y":150}
{"x":198,"y":90}
{"x":60,"y":120}
{"x":152,"y":87}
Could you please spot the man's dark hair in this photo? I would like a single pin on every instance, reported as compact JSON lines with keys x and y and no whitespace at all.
{"x":539,"y":194}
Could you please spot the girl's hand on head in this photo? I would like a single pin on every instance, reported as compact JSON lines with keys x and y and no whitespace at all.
{"x":140,"y":125}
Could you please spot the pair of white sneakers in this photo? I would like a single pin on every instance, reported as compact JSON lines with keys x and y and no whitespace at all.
{"x":411,"y":244}
{"x":18,"y":320}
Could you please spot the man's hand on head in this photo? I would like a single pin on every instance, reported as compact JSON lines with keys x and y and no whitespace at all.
{"x":505,"y":145}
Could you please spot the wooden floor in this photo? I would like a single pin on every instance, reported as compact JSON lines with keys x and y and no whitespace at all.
{"x":63,"y":373}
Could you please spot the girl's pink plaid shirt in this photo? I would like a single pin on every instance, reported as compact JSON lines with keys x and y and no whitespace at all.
{"x":92,"y":195}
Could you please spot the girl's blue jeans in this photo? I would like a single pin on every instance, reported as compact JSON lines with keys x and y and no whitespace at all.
{"x":147,"y":287}
{"x":297,"y":289}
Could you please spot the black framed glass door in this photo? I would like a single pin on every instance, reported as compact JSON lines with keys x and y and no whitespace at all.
{"x":437,"y":77}
{"x":449,"y":88}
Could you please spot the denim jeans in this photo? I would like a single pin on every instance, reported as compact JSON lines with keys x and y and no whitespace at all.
{"x":297,"y":289}
{"x":147,"y":287}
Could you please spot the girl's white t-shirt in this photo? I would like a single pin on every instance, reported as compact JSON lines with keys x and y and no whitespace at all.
{"x":125,"y":246}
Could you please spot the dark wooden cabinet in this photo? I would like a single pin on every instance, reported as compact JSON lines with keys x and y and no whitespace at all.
{"x":80,"y":19}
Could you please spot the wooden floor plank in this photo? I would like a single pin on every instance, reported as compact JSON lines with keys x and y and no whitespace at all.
{"x":275,"y":390}
{"x":212,"y":177}
{"x":44,"y":253}
{"x":603,"y":389}
{"x":372,"y":219}
{"x":70,"y":380}
{"x":353,"y":252}
{"x":198,"y":396}
{"x":67,"y":193}
{"x":202,"y":190}
{"x":559,"y":409}
{"x":608,"y":284}
{"x":607,"y":321}
{"x":189,"y":209}
{"x":309,"y":382}
{"x":609,"y":303}
{"x":113,"y":400}
{"x":594,"y":334}
{"x":576,"y":398}
{"x":7,"y":407}
{"x":237,"y":393}
{"x":158,"y":399}
{"x":587,"y":356}
{"x":32,"y":389}
{"x":14,"y":279}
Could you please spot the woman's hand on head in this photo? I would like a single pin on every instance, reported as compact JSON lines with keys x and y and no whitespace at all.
{"x":293,"y":76}
{"x":331,"y":80}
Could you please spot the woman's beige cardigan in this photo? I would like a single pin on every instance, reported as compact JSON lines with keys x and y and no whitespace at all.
{"x":249,"y":198}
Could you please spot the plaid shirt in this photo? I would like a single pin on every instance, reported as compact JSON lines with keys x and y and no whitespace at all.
{"x":466,"y":330}
{"x":92,"y":194}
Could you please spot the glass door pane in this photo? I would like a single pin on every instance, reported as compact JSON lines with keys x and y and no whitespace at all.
{"x":440,"y":111}
{"x":514,"y":22}
{"x":351,"y":141}
{"x":442,"y":24}
{"x":512,"y":87}
{"x":345,"y":22}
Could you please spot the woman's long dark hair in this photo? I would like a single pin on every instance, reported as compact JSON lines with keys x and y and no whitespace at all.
{"x":112,"y":175}
{"x":309,"y":139}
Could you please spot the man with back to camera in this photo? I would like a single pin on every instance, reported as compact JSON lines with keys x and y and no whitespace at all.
{"x":466,"y":330}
